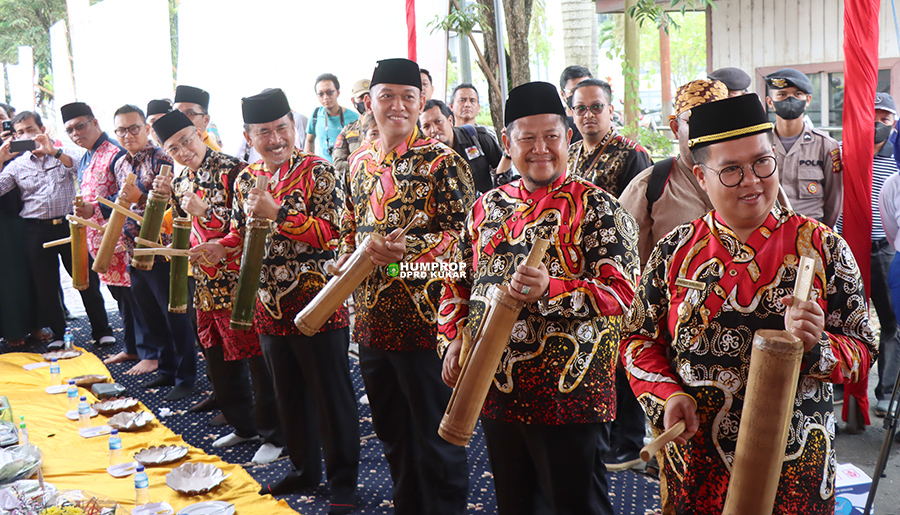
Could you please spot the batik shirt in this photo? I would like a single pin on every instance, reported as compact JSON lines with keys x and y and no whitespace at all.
{"x":385,"y":192}
{"x":146,"y":164}
{"x":611,"y":165}
{"x":299,"y":243}
{"x":214,"y":183}
{"x":695,"y":337}
{"x":559,"y":364}
{"x":98,"y":179}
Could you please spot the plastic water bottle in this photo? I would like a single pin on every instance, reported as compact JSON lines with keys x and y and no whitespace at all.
{"x":84,"y":413}
{"x":68,"y":339}
{"x":141,"y":487}
{"x":115,"y":448}
{"x":54,"y":372}
{"x":72,"y":395}
{"x":23,"y":431}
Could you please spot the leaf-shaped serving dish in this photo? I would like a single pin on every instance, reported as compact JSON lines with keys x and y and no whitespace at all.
{"x":195,"y":478}
{"x":130,"y":420}
{"x":61,"y":354}
{"x":115,"y":405}
{"x":160,"y":455}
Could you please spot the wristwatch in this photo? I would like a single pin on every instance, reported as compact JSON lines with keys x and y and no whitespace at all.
{"x":58,"y":153}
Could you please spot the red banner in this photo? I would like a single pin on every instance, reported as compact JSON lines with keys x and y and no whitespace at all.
{"x":411,"y":31}
{"x":860,"y":79}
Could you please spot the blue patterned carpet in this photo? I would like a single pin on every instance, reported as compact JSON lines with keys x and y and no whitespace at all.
{"x":631,"y":493}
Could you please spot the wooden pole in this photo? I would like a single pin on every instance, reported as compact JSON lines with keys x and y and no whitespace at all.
{"x":633,"y":63}
{"x":665,"y":74}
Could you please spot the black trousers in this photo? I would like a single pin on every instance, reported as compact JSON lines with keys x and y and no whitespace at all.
{"x":169,"y":332}
{"x":627,"y":430}
{"x":408,"y":399}
{"x":134,"y":328}
{"x":317,"y":405}
{"x":231,"y":382}
{"x":44,"y":266}
{"x":552,"y":470}
{"x":882,"y":255}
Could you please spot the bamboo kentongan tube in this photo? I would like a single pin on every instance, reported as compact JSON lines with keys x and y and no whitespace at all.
{"x":112,"y":233}
{"x":153,"y":219}
{"x":80,"y":270}
{"x":178,"y":269}
{"x":244,"y":304}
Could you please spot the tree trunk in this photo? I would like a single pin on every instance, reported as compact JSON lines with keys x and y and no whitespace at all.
{"x":518,"y":21}
{"x":579,"y":36}
{"x":490,"y":55}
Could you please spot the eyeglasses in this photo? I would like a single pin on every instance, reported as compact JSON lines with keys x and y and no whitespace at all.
{"x":174,"y":150}
{"x":582,"y":110}
{"x":329,"y":93}
{"x":731,"y":176}
{"x":133,"y":130}
{"x":76,"y":128}
{"x":192,"y":114}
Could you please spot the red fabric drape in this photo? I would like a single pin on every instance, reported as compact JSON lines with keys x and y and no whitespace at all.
{"x":860,"y":79}
{"x":411,"y":31}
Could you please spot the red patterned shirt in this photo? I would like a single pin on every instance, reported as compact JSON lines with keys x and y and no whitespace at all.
{"x":99,"y":180}
{"x":214,"y":183}
{"x":299,"y":243}
{"x":697,"y":340}
{"x":559,"y":364}
{"x":384,"y":192}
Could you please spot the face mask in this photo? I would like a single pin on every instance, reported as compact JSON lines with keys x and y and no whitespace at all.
{"x":790,"y":108}
{"x":360,"y":106}
{"x":882,"y":132}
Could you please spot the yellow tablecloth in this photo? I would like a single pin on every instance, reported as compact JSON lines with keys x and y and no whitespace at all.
{"x":73,"y":462}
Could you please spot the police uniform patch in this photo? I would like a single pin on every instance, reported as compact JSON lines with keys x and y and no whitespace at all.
{"x":812,"y":187}
{"x":836,"y":166}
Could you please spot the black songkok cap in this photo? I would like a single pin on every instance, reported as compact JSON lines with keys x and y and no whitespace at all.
{"x":532,"y":98}
{"x":727,"y":119}
{"x":735,"y":79}
{"x":159,"y":106}
{"x":74,"y":110}
{"x":168,"y":125}
{"x":265,"y":107}
{"x":396,"y":71}
{"x":192,"y":95}
{"x":787,"y":77}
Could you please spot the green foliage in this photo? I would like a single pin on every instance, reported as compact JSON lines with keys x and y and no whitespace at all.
{"x":648,"y":11}
{"x":27,"y":23}
{"x":656,"y":142}
{"x":540,"y":33}
{"x":461,"y":21}
{"x":684,"y":42}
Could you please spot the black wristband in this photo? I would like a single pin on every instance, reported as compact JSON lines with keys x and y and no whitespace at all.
{"x":58,"y":153}
{"x":282,"y":215}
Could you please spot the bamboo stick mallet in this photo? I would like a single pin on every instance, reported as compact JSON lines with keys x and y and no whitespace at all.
{"x":164,"y":251}
{"x":86,"y":223}
{"x":662,"y":440}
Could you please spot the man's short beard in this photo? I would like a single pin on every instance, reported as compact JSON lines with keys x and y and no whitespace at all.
{"x":545,"y":182}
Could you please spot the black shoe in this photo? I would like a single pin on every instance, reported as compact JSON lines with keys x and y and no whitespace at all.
{"x":208,"y":404}
{"x":217,"y":421}
{"x":293,"y":482}
{"x":158,"y":381}
{"x":179,"y":392}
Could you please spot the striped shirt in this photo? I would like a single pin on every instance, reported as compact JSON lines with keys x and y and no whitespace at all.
{"x":47,"y":186}
{"x":883,"y":166}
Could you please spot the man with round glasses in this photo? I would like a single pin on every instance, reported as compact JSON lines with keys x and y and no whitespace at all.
{"x":604,"y":156}
{"x":708,"y":286}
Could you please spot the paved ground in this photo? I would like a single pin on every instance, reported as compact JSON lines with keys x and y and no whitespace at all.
{"x":862,"y":450}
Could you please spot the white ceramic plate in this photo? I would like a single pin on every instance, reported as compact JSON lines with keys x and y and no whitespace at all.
{"x":195,"y":478}
{"x":208,"y":508}
{"x":57,"y":388}
{"x":122,"y":469}
{"x":160,"y":455}
{"x":61,"y":354}
{"x":154,"y":508}
{"x":73,"y":415}
{"x":91,"y":432}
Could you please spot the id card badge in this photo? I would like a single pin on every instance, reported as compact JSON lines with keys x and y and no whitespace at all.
{"x":472,"y":152}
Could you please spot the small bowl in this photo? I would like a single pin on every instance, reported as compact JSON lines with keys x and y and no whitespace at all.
{"x":195,"y":478}
{"x":130,"y":420}
{"x":115,"y":405}
{"x":160,"y":455}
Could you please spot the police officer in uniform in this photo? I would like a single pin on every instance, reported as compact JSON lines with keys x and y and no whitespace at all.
{"x":735,"y":79}
{"x":809,"y":161}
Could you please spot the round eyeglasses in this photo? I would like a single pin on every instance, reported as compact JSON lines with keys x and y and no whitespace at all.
{"x":731,"y":176}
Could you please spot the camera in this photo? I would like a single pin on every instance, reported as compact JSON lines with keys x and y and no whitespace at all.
{"x":7,"y":126}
